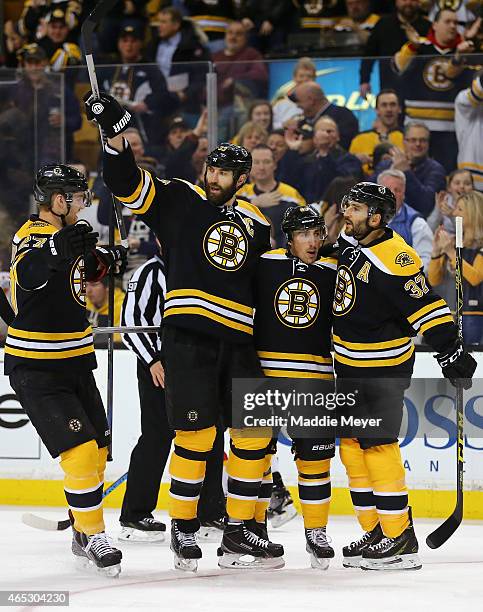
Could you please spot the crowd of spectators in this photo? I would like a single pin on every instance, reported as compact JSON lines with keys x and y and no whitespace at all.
{"x":425,"y":142}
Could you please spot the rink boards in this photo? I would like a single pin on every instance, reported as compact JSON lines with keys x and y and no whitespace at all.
{"x":28,"y":475}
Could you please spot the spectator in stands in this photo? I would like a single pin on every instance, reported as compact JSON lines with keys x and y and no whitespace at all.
{"x":443,"y":261}
{"x":469,"y":129}
{"x":387,"y":37}
{"x":213,"y":17}
{"x":267,"y":22}
{"x":13,"y":42}
{"x":276,"y":141}
{"x":241,"y":70}
{"x":316,"y":171}
{"x":36,"y":13}
{"x":424,"y":176}
{"x":285,"y":108}
{"x":60,"y":52}
{"x":176,"y":49}
{"x":315,"y":16}
{"x":126,"y":13}
{"x":97,"y":308}
{"x":459,"y":182}
{"x":271,"y":196}
{"x":261,"y":112}
{"x":299,"y":140}
{"x":430,"y":83}
{"x":186,"y":159}
{"x":330,"y":205}
{"x":314,"y":104}
{"x":407,"y":222}
{"x":140,"y":88}
{"x":465,"y":11}
{"x":386,"y":129}
{"x":39,"y":97}
{"x":251,"y":134}
{"x":360,"y":19}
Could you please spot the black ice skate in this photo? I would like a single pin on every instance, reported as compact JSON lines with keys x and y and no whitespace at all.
{"x":398,"y":553}
{"x":352,"y":554}
{"x":184,"y":545}
{"x":281,"y":509}
{"x":242,"y":548}
{"x":211,"y":531}
{"x":318,"y":547}
{"x":95,"y":552}
{"x":145,"y":530}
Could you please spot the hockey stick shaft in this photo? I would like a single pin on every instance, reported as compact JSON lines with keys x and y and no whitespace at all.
{"x":38,"y":522}
{"x":440,"y":535}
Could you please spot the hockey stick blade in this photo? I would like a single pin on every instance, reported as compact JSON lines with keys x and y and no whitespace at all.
{"x":39,"y":522}
{"x":443,"y":533}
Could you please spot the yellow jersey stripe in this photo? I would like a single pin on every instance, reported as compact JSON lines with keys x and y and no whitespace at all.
{"x":50,"y":354}
{"x":371,"y":346}
{"x":135,"y":195}
{"x":242,"y":205}
{"x":428,"y":308}
{"x":375,"y":363}
{"x":439,"y":321}
{"x":179,"y":310}
{"x":430,"y":113}
{"x":31,"y":335}
{"x":294,"y":357}
{"x":211,"y":298}
{"x":149,"y":200}
{"x":296,"y":374}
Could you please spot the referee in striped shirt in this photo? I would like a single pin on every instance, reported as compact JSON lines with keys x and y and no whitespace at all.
{"x":143,"y":305}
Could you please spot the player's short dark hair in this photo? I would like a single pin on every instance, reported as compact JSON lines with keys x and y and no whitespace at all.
{"x":386,"y":91}
{"x":173,"y":12}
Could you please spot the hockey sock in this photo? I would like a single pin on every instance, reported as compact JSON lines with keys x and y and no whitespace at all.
{"x":187,"y":470}
{"x":314,"y":491}
{"x":101,"y":463}
{"x":360,"y":484}
{"x":265,"y":492}
{"x":82,"y":486}
{"x":246,"y":465}
{"x":390,"y":492}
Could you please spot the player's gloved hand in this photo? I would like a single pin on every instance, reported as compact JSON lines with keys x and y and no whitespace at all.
{"x":457,"y":365}
{"x":69,"y":243}
{"x":108,"y":113}
{"x":112,"y":258}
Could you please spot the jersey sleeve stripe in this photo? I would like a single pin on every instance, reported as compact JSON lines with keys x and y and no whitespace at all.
{"x":141,"y":199}
{"x":426,"y":309}
{"x":438,"y":321}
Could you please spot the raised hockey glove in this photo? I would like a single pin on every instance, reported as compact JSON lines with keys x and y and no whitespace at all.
{"x":69,"y":243}
{"x":457,"y":365}
{"x":108,"y":113}
{"x":109,"y":258}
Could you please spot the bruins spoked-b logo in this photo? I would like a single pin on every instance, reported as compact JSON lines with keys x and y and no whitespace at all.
{"x":78,"y":282}
{"x":297,"y":303}
{"x":225,"y":246}
{"x":345,"y":292}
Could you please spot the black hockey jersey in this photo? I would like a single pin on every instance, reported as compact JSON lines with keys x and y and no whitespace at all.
{"x":381,"y":300}
{"x":293,"y":316}
{"x":211,"y":255}
{"x":50,"y":329}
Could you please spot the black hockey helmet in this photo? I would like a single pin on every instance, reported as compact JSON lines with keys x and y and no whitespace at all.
{"x":377,"y":198}
{"x":300,"y":218}
{"x":59,"y":178}
{"x":231,"y":157}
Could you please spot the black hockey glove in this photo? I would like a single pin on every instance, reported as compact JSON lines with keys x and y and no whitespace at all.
{"x":108,"y":113}
{"x":69,"y":243}
{"x":457,"y":365}
{"x":109,"y":258}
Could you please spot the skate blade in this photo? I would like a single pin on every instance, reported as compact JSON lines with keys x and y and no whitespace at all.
{"x":247,"y":562}
{"x":185,"y":565}
{"x":209,"y":534}
{"x":84,"y":564}
{"x":352,"y":561}
{"x":319,"y":563}
{"x":128,"y":534}
{"x":398,"y":562}
{"x":277,"y":520}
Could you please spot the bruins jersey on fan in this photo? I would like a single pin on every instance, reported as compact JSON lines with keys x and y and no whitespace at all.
{"x":211,"y":254}
{"x":293,"y":316}
{"x":381,"y":300}
{"x":50,"y":329}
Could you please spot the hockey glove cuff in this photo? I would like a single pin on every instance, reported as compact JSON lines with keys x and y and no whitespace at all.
{"x":109,"y":258}
{"x":457,"y":365}
{"x":107,"y":113}
{"x":69,"y":243}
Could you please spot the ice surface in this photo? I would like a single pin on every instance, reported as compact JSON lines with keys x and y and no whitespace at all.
{"x":451,"y":578}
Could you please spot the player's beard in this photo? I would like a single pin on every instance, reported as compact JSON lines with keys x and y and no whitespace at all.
{"x":221,"y":196}
{"x":358,"y":231}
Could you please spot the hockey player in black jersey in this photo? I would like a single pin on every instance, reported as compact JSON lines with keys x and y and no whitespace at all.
{"x":49,"y":351}
{"x":293,"y":321}
{"x":381,"y":300}
{"x":212,"y":243}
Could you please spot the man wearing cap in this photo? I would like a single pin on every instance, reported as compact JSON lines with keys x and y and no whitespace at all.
{"x":59,"y":51}
{"x":140,"y":88}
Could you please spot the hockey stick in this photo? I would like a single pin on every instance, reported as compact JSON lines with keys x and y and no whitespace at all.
{"x":440,"y":535}
{"x":101,"y":9}
{"x":39,"y":522}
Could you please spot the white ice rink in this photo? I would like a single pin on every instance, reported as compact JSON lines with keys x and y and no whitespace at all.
{"x":451,"y":579}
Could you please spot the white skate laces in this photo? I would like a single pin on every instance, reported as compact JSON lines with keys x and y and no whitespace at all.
{"x":318,"y":536}
{"x":100,"y":544}
{"x":384,"y":543}
{"x":254,"y":539}
{"x":185,"y":539}
{"x":360,"y":542}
